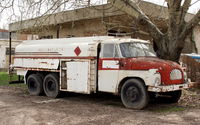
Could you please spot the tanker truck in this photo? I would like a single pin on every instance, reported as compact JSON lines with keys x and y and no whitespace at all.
{"x":122,"y":66}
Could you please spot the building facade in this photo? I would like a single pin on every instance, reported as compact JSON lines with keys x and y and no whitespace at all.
{"x":99,"y":21}
{"x":4,"y":46}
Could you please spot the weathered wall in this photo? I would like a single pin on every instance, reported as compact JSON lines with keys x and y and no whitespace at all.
{"x":77,"y":28}
{"x":4,"y":58}
{"x":82,"y":28}
{"x":192,"y":44}
{"x":99,"y":27}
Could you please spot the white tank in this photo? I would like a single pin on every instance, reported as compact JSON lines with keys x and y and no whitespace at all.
{"x":70,"y":47}
{"x":46,"y":54}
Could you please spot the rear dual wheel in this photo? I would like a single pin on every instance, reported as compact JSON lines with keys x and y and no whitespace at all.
{"x":34,"y":83}
{"x":51,"y":85}
{"x":38,"y":84}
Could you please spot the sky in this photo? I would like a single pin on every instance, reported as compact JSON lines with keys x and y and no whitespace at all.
{"x":193,"y":9}
{"x":4,"y":18}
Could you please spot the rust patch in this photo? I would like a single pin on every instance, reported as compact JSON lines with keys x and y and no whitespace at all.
{"x":43,"y":62}
{"x":173,"y":87}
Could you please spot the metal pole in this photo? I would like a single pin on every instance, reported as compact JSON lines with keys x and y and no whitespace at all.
{"x":10,"y":50}
{"x":10,"y":61}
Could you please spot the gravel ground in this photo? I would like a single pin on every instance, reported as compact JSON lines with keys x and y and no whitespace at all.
{"x":17,"y":107}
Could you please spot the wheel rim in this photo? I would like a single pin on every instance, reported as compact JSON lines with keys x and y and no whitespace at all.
{"x":132,"y":94}
{"x":32,"y":85}
{"x":51,"y":86}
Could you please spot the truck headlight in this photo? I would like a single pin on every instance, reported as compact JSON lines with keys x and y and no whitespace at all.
{"x":175,"y":74}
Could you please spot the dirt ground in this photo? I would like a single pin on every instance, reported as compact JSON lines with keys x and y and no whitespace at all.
{"x":17,"y":107}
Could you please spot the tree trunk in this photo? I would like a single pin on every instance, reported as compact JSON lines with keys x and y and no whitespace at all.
{"x":168,"y":50}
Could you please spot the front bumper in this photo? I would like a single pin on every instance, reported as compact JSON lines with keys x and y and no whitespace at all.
{"x":168,"y":88}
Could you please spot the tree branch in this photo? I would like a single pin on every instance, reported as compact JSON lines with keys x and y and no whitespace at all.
{"x":184,"y":10}
{"x":190,"y":25}
{"x":132,"y":9}
{"x":174,"y":4}
{"x":174,"y":16}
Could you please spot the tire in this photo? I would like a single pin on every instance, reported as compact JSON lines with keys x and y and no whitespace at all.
{"x":171,"y":97}
{"x":34,"y":83}
{"x":51,"y":85}
{"x":134,"y":94}
{"x":41,"y":75}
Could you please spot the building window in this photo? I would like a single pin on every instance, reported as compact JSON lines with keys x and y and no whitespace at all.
{"x":116,"y":33}
{"x":70,"y":36}
{"x":4,"y":35}
{"x":12,"y":51}
{"x":112,"y":32}
{"x":46,"y":37}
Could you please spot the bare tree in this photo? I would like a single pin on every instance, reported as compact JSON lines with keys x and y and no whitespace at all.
{"x":26,"y":9}
{"x":170,"y":44}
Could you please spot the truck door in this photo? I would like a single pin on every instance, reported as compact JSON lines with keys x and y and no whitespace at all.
{"x":78,"y":76}
{"x":108,"y":68}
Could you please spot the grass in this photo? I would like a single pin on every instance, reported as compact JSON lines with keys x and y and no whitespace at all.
{"x":5,"y":78}
{"x":171,"y":109}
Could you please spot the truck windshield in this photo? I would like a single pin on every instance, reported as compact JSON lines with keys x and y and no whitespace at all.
{"x":134,"y":49}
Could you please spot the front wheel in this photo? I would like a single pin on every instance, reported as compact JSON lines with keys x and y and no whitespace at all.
{"x":134,"y":94}
{"x":51,"y":85}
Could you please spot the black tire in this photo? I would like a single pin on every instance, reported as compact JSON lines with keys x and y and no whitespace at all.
{"x":51,"y":85}
{"x":41,"y":75}
{"x":134,"y":94}
{"x":34,"y":83}
{"x":171,"y":97}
